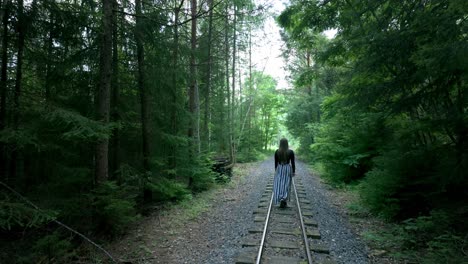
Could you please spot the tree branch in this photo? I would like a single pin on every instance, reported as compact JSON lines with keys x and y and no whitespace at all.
{"x":58,"y":222}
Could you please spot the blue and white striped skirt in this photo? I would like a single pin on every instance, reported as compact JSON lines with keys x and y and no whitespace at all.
{"x":282,"y":182}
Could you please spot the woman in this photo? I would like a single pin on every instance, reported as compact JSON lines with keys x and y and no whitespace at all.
{"x":285,"y":168}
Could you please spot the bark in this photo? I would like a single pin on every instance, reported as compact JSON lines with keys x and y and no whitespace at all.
{"x":228,"y":94}
{"x":309,"y":87}
{"x":18,"y":82}
{"x":207,"y":119}
{"x":3,"y":83}
{"x":267,"y":130}
{"x":240,"y":96}
{"x":317,"y":93}
{"x":194,"y":107}
{"x":233,"y":94}
{"x":103,"y":100}
{"x":175,"y":90}
{"x":48,"y":65}
{"x":19,"y":64}
{"x":221,"y":109}
{"x":115,"y":164}
{"x":145,"y":132}
{"x":249,"y":123}
{"x":3,"y":80}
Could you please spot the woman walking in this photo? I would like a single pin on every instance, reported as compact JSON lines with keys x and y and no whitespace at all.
{"x":285,"y":168}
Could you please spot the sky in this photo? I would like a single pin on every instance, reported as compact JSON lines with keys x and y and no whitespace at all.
{"x":266,"y":54}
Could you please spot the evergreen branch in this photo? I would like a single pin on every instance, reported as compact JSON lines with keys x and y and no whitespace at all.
{"x":58,"y":222}
{"x":199,"y":15}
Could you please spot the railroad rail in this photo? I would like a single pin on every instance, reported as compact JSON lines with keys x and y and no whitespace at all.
{"x":284,"y":235}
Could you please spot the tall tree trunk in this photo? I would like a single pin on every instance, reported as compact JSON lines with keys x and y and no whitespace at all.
{"x":250,"y":92}
{"x":207,"y":119}
{"x":3,"y":84}
{"x":175,"y":90}
{"x":18,"y":83}
{"x":267,"y":129}
{"x":233,"y":94}
{"x":103,"y":100}
{"x":115,"y":164}
{"x":145,"y":133}
{"x":222,"y":108}
{"x":194,"y":106}
{"x":239,"y":111}
{"x":309,"y":87}
{"x":228,"y":90}
{"x":49,"y":59}
{"x":317,"y":92}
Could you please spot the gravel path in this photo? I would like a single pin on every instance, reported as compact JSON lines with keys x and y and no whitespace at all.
{"x":345,"y":247}
{"x":223,"y":227}
{"x":216,"y":235}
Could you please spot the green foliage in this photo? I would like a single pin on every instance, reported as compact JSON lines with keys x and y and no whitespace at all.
{"x":399,"y":183}
{"x":302,"y":120}
{"x":52,"y":117}
{"x":114,"y":207}
{"x":22,"y":138}
{"x":252,"y":156}
{"x":263,"y":113}
{"x":424,"y":239}
{"x":164,"y":189}
{"x":345,"y":144}
{"x":53,"y":248}
{"x":203,"y":177}
{"x":394,"y":117}
{"x":390,"y":120}
{"x":76,"y":127}
{"x":15,"y":215}
{"x":446,"y":248}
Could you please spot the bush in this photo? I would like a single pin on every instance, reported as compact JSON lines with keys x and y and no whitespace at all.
{"x":53,"y":248}
{"x":164,"y":189}
{"x":203,"y":177}
{"x":16,"y":215}
{"x":380,"y":187}
{"x":345,"y":145}
{"x":253,"y":155}
{"x":446,"y":248}
{"x":114,"y":207}
{"x":425,"y":239}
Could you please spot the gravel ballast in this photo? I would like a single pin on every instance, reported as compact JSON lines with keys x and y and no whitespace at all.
{"x":345,"y":247}
{"x":215,"y":236}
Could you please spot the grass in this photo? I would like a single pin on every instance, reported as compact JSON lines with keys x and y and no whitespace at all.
{"x":171,"y":219}
{"x":193,"y":206}
{"x":182,"y":212}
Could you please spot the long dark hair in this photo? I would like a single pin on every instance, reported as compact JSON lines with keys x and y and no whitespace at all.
{"x":283,"y":150}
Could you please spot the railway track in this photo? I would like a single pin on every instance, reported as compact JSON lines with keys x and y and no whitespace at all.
{"x":284,"y":235}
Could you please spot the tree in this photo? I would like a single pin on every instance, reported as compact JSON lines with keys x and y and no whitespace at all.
{"x":115,"y":98}
{"x":392,"y":120}
{"x":144,"y":96}
{"x":3,"y":82}
{"x":93,"y":141}
{"x":103,"y":98}
{"x":209,"y":72}
{"x":194,"y":100}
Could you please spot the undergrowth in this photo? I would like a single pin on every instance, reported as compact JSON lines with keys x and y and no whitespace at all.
{"x":424,"y":239}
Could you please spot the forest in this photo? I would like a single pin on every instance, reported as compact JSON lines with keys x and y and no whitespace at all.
{"x":383,"y":110}
{"x":110,"y":107}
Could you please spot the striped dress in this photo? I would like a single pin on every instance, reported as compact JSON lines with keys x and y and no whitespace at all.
{"x":283,"y":174}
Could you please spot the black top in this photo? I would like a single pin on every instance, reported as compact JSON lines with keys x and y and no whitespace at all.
{"x":290,"y":159}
